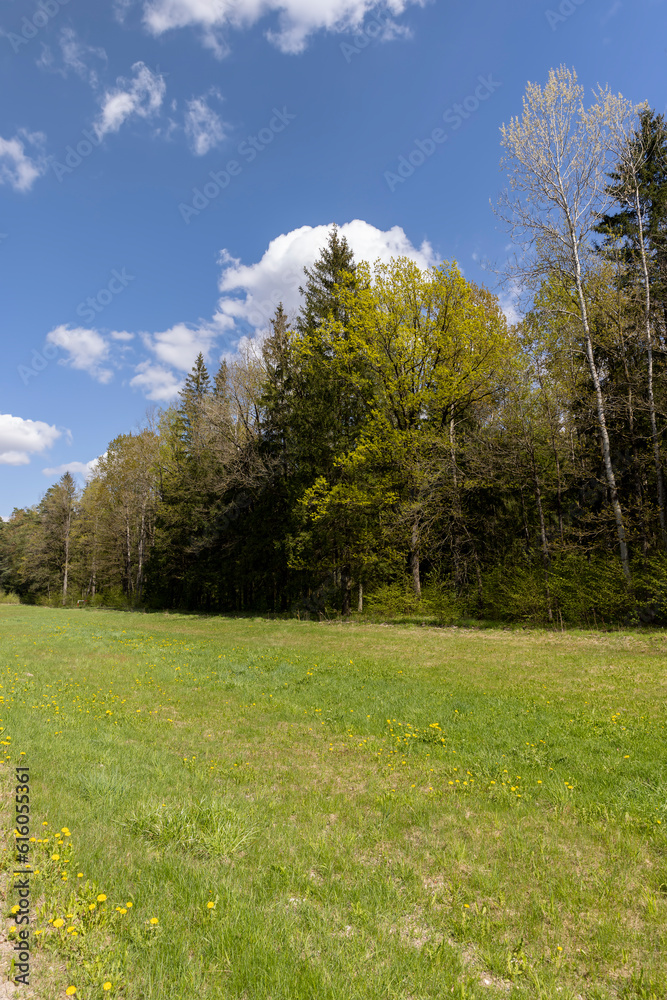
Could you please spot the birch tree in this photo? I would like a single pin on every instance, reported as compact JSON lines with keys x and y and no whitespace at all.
{"x":58,"y":509}
{"x":557,"y":154}
{"x":632,"y":145}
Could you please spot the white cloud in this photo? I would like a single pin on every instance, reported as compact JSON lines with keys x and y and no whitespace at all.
{"x":141,"y":96}
{"x":297,"y":19}
{"x":156,"y":382}
{"x":86,"y":350}
{"x":84,"y":469}
{"x":180,"y":345}
{"x":76,"y":56}
{"x":252,"y":292}
{"x":203,"y":126}
{"x":20,"y":438}
{"x":249,"y":296}
{"x":17,"y":168}
{"x":510,"y":303}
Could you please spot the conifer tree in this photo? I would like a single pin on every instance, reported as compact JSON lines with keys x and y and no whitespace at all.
{"x":334,"y":267}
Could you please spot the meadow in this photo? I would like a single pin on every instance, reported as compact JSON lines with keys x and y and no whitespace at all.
{"x":279,"y":810}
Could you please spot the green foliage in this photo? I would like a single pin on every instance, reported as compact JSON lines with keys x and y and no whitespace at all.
{"x":396,"y":431}
{"x":437,"y":602}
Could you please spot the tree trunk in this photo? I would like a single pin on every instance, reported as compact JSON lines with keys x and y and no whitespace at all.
{"x":414,"y":559}
{"x":456,"y":555}
{"x":543,"y":535}
{"x":68,"y":522}
{"x":346,"y":587}
{"x":140,"y":554}
{"x":360,"y":603}
{"x":651,"y":400}
{"x":602,"y":421}
{"x":128,"y":553}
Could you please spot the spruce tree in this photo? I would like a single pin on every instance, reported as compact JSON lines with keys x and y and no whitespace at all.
{"x":334,"y":266}
{"x":196,"y":388}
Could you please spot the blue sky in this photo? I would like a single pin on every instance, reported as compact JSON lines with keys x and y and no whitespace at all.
{"x":167,"y":168}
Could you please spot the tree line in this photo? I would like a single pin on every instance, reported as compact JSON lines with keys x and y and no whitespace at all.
{"x":397,"y":444}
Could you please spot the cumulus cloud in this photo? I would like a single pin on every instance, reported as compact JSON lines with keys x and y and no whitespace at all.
{"x":251,"y":292}
{"x":180,"y":345}
{"x":249,"y":295}
{"x":297,"y":19}
{"x":17,"y":167}
{"x":156,"y":382}
{"x":20,"y":438}
{"x":141,"y":96}
{"x":86,"y":350}
{"x":84,"y":469}
{"x":203,"y":126}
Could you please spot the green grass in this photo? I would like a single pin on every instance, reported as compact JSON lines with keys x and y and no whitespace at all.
{"x":374,"y":812}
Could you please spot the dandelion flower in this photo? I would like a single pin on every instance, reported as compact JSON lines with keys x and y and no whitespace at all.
{"x":106,"y":986}
{"x":210,"y":905}
{"x":59,"y":922}
{"x":92,"y":906}
{"x":154,"y":920}
{"x":70,"y":991}
{"x":101,"y":898}
{"x":55,"y":857}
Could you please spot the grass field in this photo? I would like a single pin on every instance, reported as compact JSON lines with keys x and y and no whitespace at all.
{"x":303,"y":811}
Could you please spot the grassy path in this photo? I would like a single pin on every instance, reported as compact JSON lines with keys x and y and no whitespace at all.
{"x":298,"y":811}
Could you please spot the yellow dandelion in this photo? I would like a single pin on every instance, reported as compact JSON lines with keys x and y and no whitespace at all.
{"x":59,"y":922}
{"x":106,"y":986}
{"x":154,"y":920}
{"x":92,"y":906}
{"x":70,"y":991}
{"x":101,"y":898}
{"x":55,"y":857}
{"x":128,"y":904}
{"x":79,"y":874}
{"x":210,"y":905}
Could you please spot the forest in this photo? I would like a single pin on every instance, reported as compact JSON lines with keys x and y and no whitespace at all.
{"x":398,"y":446}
